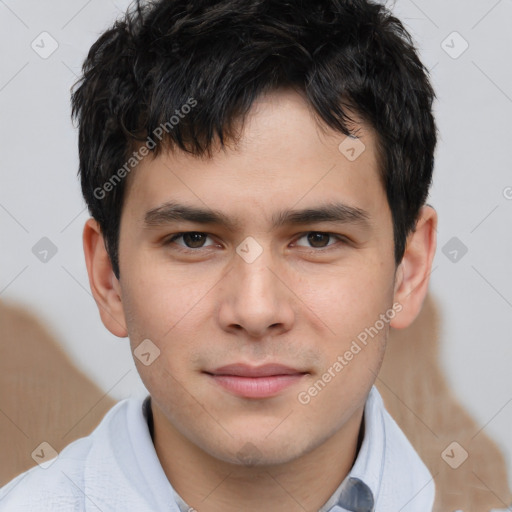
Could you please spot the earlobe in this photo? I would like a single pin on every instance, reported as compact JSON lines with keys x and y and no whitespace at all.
{"x":413,"y":273}
{"x":104,"y":285}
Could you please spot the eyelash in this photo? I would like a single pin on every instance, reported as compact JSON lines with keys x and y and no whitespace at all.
{"x":176,"y":236}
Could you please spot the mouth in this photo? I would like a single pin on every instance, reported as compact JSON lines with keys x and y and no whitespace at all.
{"x":256,"y":381}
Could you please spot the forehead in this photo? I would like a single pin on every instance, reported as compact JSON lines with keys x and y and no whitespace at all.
{"x":283,"y":156}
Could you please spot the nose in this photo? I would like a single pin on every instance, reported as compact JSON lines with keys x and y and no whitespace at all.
{"x":254,"y":298}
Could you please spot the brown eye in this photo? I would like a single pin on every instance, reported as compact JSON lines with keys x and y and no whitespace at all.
{"x":194,"y":239}
{"x":318,"y":239}
{"x":191,"y":240}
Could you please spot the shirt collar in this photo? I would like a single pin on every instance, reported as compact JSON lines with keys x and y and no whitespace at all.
{"x":361,"y":488}
{"x":358,"y":491}
{"x":387,"y":474}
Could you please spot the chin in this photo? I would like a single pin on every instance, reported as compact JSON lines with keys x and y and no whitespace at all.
{"x":262,"y":451}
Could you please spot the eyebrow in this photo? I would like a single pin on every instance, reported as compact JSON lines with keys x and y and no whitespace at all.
{"x":332,"y":212}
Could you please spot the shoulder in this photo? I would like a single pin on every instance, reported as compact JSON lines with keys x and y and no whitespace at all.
{"x":58,"y":484}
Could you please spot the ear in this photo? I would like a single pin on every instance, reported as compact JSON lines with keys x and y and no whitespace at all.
{"x":413,"y":273}
{"x":105,"y":287}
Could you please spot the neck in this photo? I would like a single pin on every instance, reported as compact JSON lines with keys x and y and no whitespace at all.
{"x":209,"y":484}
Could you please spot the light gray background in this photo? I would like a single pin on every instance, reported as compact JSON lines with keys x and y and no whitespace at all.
{"x":472,"y":192}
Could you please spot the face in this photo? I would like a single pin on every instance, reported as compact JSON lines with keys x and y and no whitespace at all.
{"x":283,"y":301}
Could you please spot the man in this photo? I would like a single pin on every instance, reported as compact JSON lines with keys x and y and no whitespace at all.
{"x":256,"y":174}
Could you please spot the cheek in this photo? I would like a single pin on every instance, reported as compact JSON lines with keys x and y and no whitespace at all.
{"x":352,"y":342}
{"x":345,"y":302}
{"x":162,"y":300}
{"x":170,"y":307}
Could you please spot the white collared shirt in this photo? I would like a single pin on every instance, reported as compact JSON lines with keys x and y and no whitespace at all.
{"x":116,"y":468}
{"x":387,"y":475}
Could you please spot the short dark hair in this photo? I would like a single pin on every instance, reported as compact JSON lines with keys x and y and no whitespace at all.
{"x":341,"y":55}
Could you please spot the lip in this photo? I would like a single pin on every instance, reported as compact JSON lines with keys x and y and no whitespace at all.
{"x":256,"y":381}
{"x":245,"y":370}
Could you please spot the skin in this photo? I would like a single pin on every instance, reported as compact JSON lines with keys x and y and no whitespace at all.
{"x":300,"y":303}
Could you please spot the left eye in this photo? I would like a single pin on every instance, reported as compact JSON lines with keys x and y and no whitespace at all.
{"x":317,"y":239}
{"x":191,"y":239}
